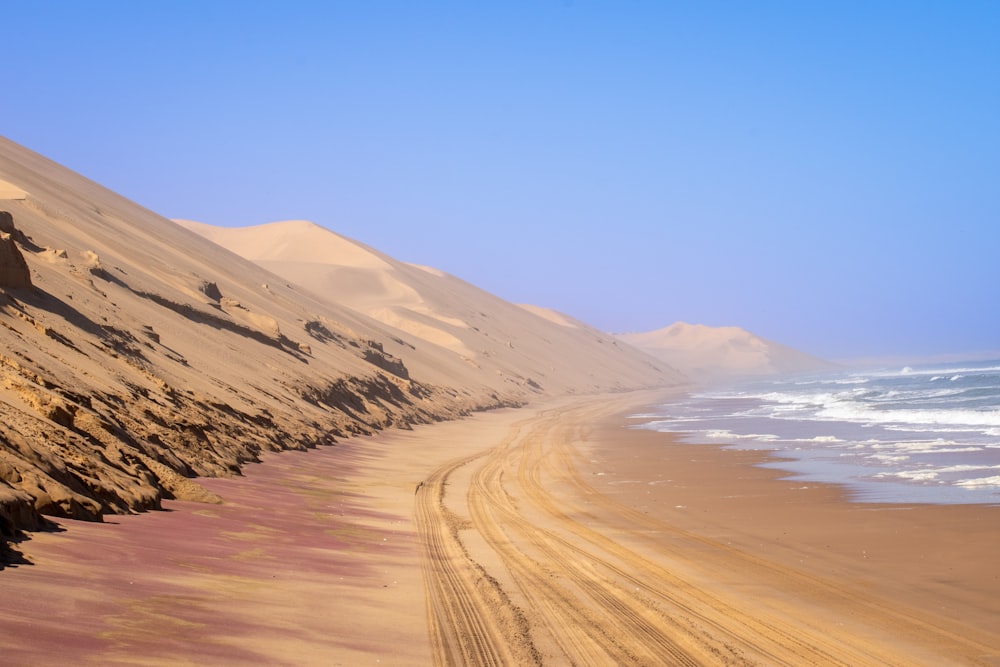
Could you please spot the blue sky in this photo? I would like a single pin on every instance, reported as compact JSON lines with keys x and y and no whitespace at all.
{"x":825,"y":174}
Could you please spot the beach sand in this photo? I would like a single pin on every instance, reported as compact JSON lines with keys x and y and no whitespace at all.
{"x":549,"y":534}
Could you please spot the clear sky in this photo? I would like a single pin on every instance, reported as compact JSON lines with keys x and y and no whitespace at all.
{"x":824,"y":174}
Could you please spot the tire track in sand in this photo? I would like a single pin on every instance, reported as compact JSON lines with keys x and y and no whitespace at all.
{"x":557,"y":587}
{"x":472,"y":622}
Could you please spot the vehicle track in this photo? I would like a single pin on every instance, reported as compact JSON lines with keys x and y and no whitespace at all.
{"x":471,"y":620}
{"x":564,"y":590}
{"x":807,"y":637}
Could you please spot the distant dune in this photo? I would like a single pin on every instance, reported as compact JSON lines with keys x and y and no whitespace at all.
{"x":711,"y":353}
{"x":136,"y":355}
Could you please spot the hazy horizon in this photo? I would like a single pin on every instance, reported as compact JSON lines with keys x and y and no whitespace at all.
{"x":822,"y":176}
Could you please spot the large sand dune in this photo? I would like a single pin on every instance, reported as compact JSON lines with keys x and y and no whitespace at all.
{"x":485,"y":332}
{"x":143,"y":355}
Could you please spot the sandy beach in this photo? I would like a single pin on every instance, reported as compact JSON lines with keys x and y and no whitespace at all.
{"x":549,"y":534}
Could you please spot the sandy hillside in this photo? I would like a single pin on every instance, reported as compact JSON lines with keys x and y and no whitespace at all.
{"x":709,"y":353}
{"x":136,"y":355}
{"x":489,"y":335}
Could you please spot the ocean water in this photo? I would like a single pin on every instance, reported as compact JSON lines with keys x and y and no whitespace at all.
{"x":920,"y":434}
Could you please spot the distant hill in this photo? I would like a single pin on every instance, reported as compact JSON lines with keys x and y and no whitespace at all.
{"x":711,"y":353}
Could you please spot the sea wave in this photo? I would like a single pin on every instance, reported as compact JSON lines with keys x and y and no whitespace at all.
{"x":934,"y":473}
{"x":922,"y":435}
{"x":908,"y":371}
{"x":979,"y":482}
{"x":841,"y":381}
{"x":720,"y":434}
{"x":864,"y":414}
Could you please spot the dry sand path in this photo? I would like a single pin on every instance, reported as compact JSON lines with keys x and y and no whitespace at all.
{"x":515,"y":548}
{"x":527,"y":563}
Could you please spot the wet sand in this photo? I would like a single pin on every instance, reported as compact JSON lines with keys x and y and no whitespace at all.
{"x":551,"y":534}
{"x":936,"y":562}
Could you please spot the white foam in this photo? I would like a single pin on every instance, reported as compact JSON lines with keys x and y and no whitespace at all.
{"x":944,"y":372}
{"x":864,"y":414}
{"x":912,"y":475}
{"x":729,"y":435}
{"x":967,"y":467}
{"x":913,"y":428}
{"x":949,"y":450}
{"x":843,"y":381}
{"x":979,"y":482}
{"x":888,"y":458}
{"x":929,"y":474}
{"x":916,"y":445}
{"x":921,"y":429}
{"x":927,"y":447}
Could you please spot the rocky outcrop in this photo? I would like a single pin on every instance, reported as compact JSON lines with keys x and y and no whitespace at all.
{"x":7,"y":222}
{"x":17,"y":512}
{"x":14,"y":271}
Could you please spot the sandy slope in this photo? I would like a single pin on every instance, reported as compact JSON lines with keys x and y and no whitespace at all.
{"x":11,"y":191}
{"x":144,"y":355}
{"x":712,"y":353}
{"x":485,"y":332}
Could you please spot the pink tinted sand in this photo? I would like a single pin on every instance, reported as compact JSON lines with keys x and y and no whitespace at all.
{"x":311,"y":560}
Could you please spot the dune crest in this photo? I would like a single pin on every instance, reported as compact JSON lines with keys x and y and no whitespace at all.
{"x":552,"y":315}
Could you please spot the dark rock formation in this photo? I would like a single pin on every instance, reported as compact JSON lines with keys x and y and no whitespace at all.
{"x":14,"y":270}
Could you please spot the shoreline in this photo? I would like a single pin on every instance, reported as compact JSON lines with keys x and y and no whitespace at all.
{"x":938,"y":559}
{"x":914,"y":436}
{"x":325,"y":557}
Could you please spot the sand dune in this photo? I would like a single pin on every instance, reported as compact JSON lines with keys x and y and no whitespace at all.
{"x":527,"y":344}
{"x":143,"y":355}
{"x":713,"y":353}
